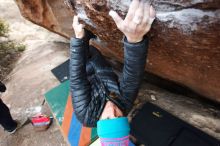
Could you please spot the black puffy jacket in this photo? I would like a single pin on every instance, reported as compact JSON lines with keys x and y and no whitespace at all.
{"x":92,"y":79}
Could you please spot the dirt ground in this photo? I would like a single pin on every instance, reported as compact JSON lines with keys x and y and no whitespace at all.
{"x":31,"y":78}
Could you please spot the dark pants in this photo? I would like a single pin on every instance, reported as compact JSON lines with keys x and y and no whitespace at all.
{"x":5,"y":118}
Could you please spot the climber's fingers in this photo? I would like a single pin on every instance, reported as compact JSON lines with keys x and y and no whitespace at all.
{"x":118,"y":20}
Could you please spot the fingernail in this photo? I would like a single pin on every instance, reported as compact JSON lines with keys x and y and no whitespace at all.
{"x":152,"y":12}
{"x":111,"y":13}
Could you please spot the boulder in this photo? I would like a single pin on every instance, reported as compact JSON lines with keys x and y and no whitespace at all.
{"x":184,"y":40}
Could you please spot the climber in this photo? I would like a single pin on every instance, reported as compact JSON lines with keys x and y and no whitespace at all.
{"x":98,"y":97}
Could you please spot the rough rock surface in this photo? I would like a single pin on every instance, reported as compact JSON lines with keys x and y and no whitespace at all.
{"x":184,"y":47}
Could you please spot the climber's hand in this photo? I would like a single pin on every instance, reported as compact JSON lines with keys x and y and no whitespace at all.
{"x":78,"y":28}
{"x":138,"y":21}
